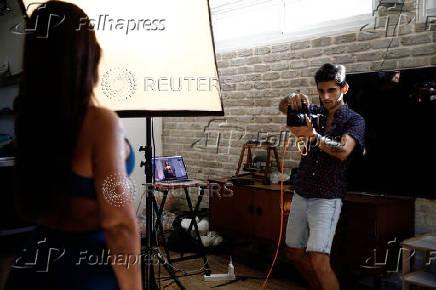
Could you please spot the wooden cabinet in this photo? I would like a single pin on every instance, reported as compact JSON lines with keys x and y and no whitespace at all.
{"x":364,"y":229}
{"x":252,"y":211}
{"x":367,"y":226}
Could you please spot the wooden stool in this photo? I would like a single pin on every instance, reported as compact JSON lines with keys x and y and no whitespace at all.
{"x":256,"y":172}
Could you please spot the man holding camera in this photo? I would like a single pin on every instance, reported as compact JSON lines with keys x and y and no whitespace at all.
{"x":320,"y":181}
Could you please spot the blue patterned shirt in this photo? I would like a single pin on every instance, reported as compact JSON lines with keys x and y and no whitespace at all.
{"x":320,"y":174}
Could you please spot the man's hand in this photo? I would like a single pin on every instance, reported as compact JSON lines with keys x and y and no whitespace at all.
{"x":296,"y":99}
{"x":304,"y":131}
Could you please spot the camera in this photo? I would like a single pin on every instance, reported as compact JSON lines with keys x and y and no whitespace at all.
{"x":296,"y":118}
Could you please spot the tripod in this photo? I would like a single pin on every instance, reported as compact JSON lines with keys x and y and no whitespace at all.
{"x":149,"y":250}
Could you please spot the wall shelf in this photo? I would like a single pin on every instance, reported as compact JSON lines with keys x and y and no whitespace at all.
{"x":422,"y":278}
{"x":9,"y":81}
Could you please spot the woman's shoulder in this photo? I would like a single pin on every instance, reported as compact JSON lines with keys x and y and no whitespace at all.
{"x":101,"y":120}
{"x":102,"y":114}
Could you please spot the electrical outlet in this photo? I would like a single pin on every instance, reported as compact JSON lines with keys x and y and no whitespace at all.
{"x":219,"y":277}
{"x":230,"y":276}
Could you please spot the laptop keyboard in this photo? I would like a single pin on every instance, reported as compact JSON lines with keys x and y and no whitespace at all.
{"x":175,"y":181}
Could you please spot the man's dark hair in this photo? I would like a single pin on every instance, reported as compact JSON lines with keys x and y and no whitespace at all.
{"x":331,"y":72}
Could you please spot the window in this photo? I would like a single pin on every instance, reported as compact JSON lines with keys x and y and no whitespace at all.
{"x":248,"y":23}
{"x":426,"y":10}
{"x":302,"y":15}
{"x":241,"y":19}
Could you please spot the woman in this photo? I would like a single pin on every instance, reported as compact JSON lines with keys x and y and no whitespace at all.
{"x":168,"y":171}
{"x":67,"y":151}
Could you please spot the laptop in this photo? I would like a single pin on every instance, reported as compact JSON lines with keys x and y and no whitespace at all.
{"x":171,"y":170}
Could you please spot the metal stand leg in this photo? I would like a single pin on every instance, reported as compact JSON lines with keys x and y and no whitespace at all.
{"x":150,"y":251}
{"x":168,"y":267}
{"x":194,"y":214}
{"x":158,"y":224}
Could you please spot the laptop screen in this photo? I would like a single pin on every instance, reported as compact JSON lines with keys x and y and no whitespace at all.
{"x":169,"y":168}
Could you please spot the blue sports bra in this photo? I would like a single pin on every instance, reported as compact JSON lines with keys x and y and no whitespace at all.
{"x":84,"y":186}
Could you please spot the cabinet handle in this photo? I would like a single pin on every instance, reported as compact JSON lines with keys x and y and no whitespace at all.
{"x":259,"y":211}
{"x":251,"y":208}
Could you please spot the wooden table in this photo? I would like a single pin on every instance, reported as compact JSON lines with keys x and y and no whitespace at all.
{"x":157,"y":227}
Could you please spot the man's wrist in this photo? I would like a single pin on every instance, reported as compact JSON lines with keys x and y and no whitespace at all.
{"x":319,"y":138}
{"x":314,"y":138}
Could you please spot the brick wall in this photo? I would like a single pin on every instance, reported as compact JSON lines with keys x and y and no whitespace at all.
{"x":254,"y":79}
{"x":425,"y":216}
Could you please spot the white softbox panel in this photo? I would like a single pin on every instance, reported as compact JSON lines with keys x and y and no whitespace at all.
{"x":158,"y":56}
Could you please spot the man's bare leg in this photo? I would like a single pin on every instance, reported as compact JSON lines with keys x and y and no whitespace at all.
{"x":303,"y":263}
{"x":321,"y":266}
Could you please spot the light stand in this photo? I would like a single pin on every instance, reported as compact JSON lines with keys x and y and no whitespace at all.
{"x":149,"y":250}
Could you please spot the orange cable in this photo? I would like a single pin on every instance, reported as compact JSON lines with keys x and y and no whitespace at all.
{"x":281,"y":214}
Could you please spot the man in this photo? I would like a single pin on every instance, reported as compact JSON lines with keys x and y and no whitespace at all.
{"x":319,"y":183}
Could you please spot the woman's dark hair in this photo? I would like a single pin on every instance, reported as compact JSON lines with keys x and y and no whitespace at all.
{"x":331,"y":72}
{"x":60,"y":70}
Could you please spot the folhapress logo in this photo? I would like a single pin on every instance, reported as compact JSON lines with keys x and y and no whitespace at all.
{"x":52,"y":21}
{"x":119,"y":84}
{"x":107,"y":23}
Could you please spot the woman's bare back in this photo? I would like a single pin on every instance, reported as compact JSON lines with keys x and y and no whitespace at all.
{"x":82,"y":213}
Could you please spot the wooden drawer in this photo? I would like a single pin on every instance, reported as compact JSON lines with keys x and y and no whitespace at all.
{"x":221,"y":211}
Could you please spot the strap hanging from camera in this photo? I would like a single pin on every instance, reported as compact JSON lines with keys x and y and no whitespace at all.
{"x":299,"y":142}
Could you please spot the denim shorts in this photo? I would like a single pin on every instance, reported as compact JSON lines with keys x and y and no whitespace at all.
{"x":312,"y":223}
